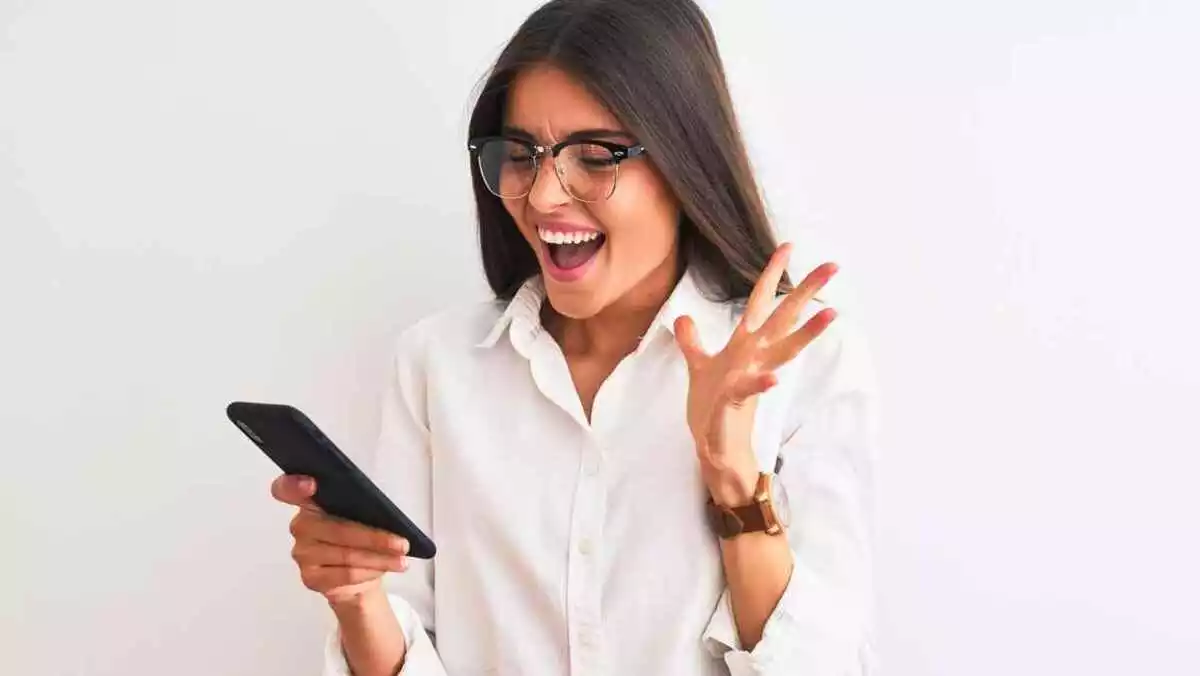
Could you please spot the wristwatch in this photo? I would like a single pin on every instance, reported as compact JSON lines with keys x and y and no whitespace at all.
{"x":768,"y":512}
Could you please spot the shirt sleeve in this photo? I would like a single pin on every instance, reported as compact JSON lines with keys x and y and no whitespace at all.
{"x":823,"y":623}
{"x":421,"y":658}
{"x":401,"y":466}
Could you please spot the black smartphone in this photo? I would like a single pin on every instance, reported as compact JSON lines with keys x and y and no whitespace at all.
{"x":298,"y":446}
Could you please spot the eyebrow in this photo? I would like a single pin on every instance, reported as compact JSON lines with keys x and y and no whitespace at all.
{"x":580,"y":135}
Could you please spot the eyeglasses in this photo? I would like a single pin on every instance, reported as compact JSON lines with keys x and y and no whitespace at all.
{"x":586,"y":169}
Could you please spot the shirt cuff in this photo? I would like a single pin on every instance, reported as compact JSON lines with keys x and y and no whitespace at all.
{"x":420,"y":659}
{"x":810,"y":631}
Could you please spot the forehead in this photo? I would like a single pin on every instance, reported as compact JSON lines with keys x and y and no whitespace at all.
{"x":550,"y":104}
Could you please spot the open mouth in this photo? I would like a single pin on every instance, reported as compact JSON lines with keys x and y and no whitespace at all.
{"x":569,"y":252}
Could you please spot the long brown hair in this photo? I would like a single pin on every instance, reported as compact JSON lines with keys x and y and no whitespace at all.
{"x":654,"y":64}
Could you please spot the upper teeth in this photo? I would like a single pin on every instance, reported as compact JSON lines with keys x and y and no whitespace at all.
{"x":577,"y":237}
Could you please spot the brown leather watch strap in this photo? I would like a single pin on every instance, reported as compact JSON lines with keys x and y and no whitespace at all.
{"x":757,"y":517}
{"x":728,"y":522}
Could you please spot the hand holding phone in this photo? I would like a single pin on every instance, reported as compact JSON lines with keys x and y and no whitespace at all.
{"x":347,"y":532}
{"x":298,"y":447}
{"x":342,"y":560}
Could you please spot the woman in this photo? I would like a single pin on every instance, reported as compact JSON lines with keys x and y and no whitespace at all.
{"x":603,"y":454}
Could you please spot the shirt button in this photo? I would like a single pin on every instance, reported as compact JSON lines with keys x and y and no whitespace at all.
{"x":585,"y":547}
{"x":587,"y":637}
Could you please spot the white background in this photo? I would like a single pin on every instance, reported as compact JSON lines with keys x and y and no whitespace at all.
{"x":218,"y":200}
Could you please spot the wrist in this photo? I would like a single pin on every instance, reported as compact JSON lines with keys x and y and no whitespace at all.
{"x":370,"y":633}
{"x":731,"y":487}
{"x":357,"y":602}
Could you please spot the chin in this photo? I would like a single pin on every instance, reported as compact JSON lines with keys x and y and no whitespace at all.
{"x":574,"y":304}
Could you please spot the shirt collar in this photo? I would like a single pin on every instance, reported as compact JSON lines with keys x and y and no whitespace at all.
{"x":522,"y":316}
{"x":522,"y":313}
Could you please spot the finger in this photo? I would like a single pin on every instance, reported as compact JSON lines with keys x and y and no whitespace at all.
{"x":759,"y":304}
{"x":325,"y":578}
{"x":783,"y":320}
{"x":322,"y":554}
{"x":347,"y":534}
{"x":749,"y":386}
{"x":689,"y":342}
{"x":785,"y":350}
{"x":294,"y":489}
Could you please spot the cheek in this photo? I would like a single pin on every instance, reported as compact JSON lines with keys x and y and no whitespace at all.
{"x":643,"y":211}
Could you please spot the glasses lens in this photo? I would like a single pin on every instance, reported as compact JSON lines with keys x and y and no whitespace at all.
{"x":589,"y":171}
{"x":507,"y":167}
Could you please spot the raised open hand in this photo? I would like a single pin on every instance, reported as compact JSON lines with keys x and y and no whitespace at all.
{"x":723,"y":388}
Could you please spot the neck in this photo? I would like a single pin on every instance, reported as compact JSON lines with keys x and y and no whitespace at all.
{"x":619,"y":327}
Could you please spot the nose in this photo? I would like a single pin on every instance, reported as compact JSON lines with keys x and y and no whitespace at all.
{"x":547,"y":193}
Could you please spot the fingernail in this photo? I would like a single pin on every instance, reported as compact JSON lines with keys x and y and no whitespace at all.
{"x":306,"y":484}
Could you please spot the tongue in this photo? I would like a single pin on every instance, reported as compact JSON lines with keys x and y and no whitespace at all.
{"x":568,"y":256}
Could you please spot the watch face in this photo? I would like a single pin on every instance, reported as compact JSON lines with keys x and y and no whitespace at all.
{"x":783,"y":505}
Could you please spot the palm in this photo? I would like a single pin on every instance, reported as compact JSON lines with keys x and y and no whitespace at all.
{"x":723,"y":388}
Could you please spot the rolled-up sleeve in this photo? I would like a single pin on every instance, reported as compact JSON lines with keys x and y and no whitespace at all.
{"x":421,"y":658}
{"x":823,"y":623}
{"x":401,"y":467}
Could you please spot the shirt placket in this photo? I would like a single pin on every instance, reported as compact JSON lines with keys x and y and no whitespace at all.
{"x":584,"y":584}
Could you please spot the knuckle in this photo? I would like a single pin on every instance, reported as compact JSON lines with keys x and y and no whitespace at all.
{"x":296,"y":526}
{"x":311,"y":577}
{"x":304,"y":524}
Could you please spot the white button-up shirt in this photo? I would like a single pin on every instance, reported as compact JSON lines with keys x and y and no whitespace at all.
{"x":576,"y":547}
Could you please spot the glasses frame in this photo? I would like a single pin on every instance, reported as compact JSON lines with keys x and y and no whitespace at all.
{"x":620,"y":151}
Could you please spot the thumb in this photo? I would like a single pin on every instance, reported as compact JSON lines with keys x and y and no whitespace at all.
{"x":689,"y":343}
{"x":294,"y":490}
